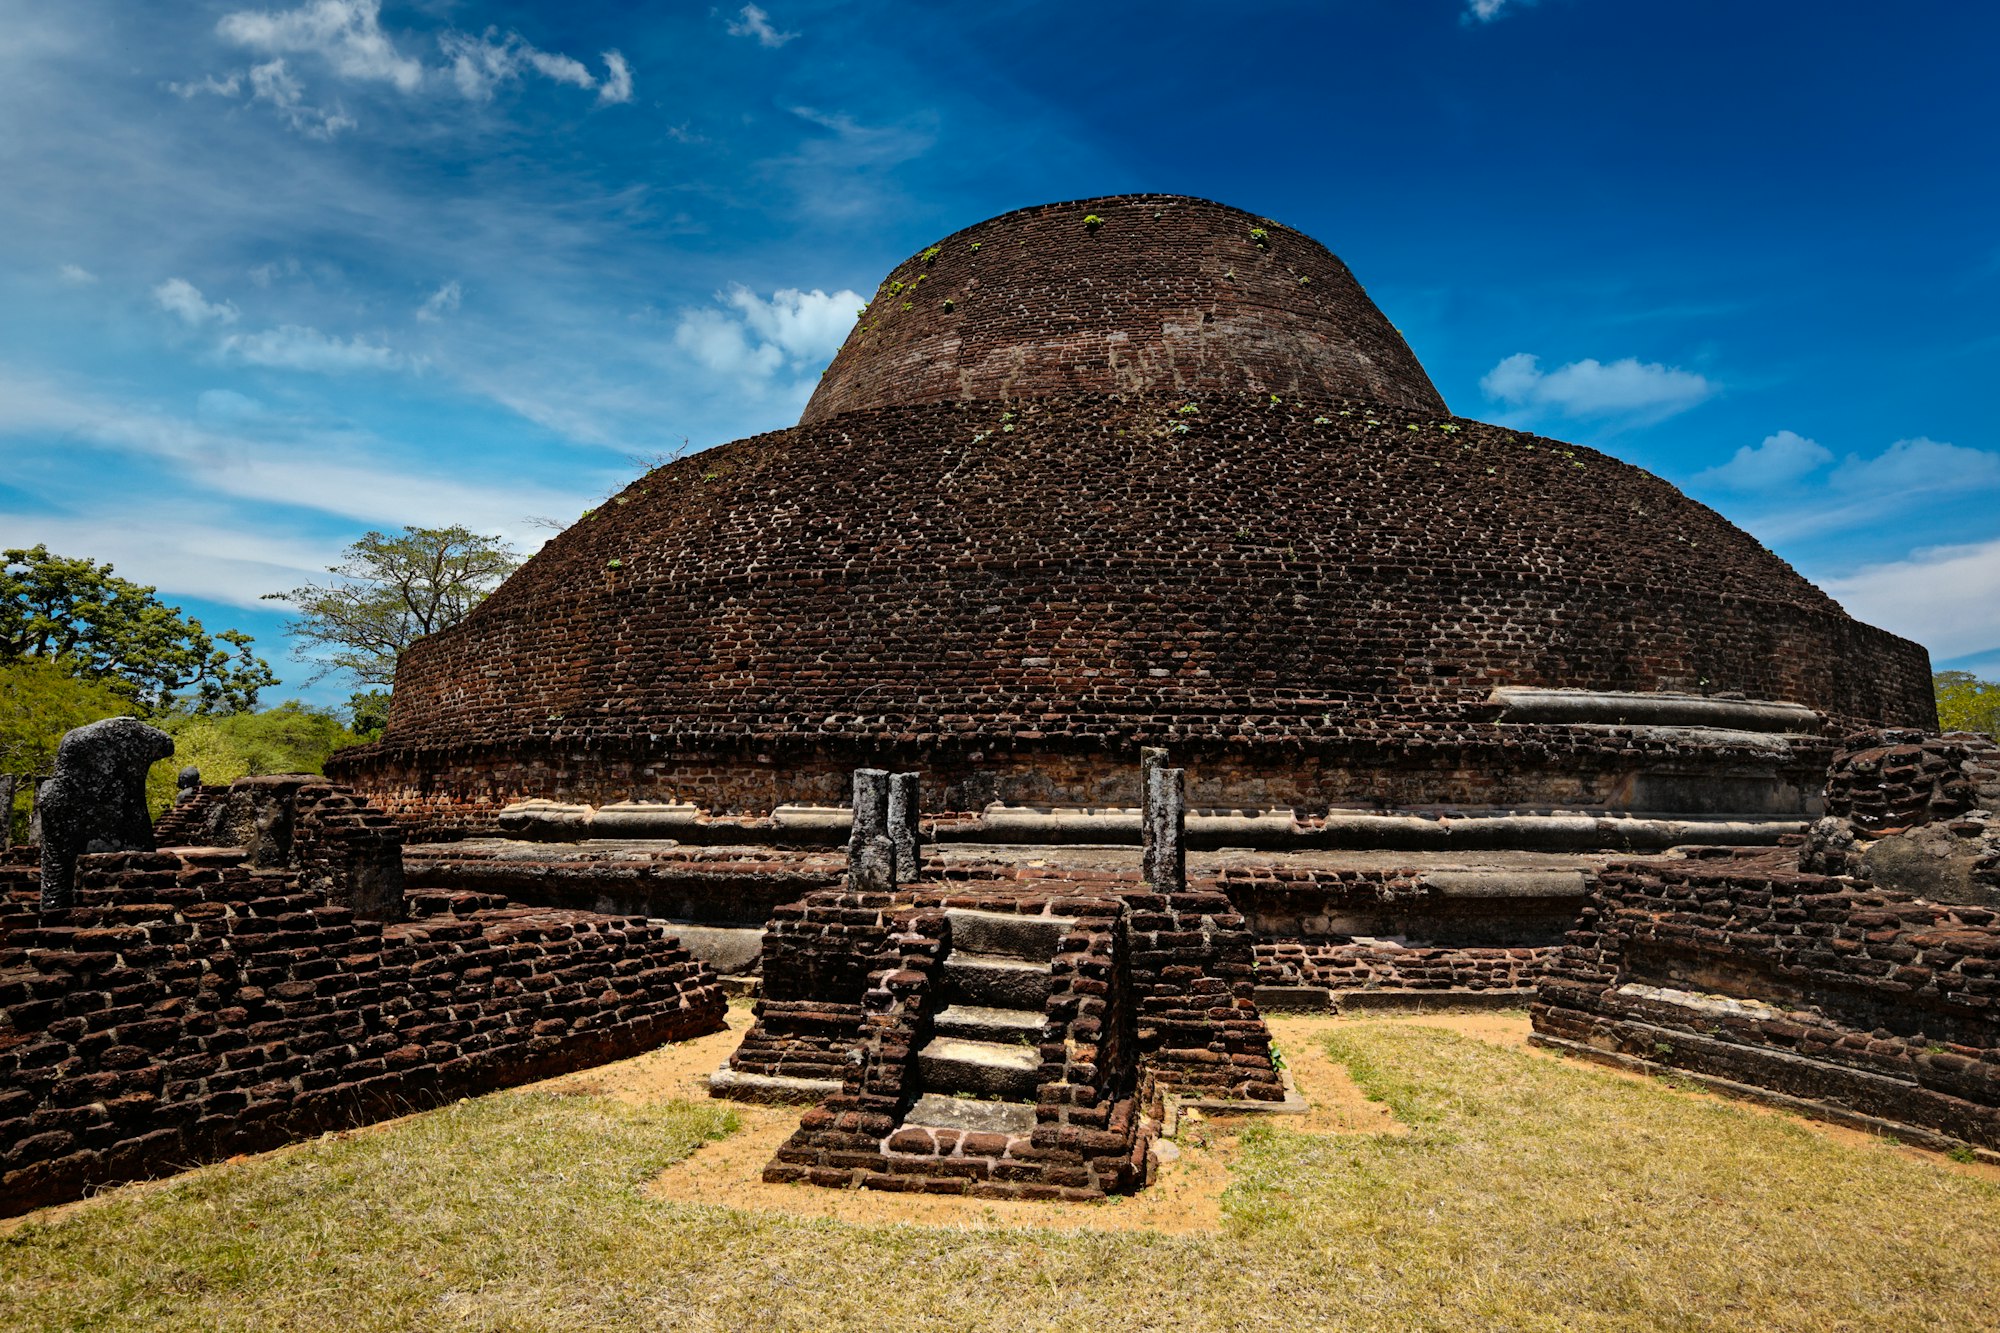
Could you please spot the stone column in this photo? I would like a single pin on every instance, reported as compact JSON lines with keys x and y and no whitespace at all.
{"x":905,"y":814}
{"x":35,"y":785}
{"x":1165,"y":823}
{"x":871,"y":853}
{"x":1151,"y":757}
{"x":7,"y":781}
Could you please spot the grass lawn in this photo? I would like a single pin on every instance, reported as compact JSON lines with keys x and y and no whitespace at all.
{"x":1528,"y":1193}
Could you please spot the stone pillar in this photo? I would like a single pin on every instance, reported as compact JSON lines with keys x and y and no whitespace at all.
{"x":1151,"y":757}
{"x":96,"y":802}
{"x":1165,"y":823}
{"x":35,"y":785}
{"x":905,"y":816}
{"x":871,"y":853}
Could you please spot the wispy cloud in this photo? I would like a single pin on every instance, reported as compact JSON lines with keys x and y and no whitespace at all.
{"x":1781,"y":460}
{"x":295,"y":347}
{"x":1858,"y":494}
{"x":839,"y":173}
{"x":1946,"y":598}
{"x":440,"y":302}
{"x":1643,"y":391}
{"x":76,"y":275}
{"x":235,"y":447}
{"x":1915,"y":466}
{"x":273,"y":83}
{"x":752,"y":21}
{"x":1485,"y":11}
{"x":348,"y":39}
{"x":181,"y":298}
{"x":347,"y":34}
{"x":479,"y":64}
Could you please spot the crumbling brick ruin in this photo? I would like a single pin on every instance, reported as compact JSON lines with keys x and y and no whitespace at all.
{"x":1855,"y":976}
{"x":197,"y":1001}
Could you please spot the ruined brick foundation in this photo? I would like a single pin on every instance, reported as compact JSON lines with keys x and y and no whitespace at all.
{"x":191,"y":1006}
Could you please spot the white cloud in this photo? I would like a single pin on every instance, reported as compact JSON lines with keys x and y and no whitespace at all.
{"x":1909,"y":467}
{"x":764,"y":336}
{"x":1946,"y":597}
{"x":75,"y":275}
{"x":808,"y":326}
{"x":1780,"y":460}
{"x":440,"y":302}
{"x":272,"y":82}
{"x":294,"y":347}
{"x":617,"y":85}
{"x":754,"y":22}
{"x":1485,"y":11}
{"x":228,"y":87}
{"x":1591,"y":388}
{"x":178,"y":296}
{"x":347,"y":34}
{"x":479,"y":64}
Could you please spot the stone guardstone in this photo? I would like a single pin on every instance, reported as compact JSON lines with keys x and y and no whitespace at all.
{"x":905,"y":816}
{"x":871,"y":853}
{"x":96,"y":802}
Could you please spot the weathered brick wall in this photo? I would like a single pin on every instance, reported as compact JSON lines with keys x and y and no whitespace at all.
{"x":922,"y":586}
{"x":1887,"y":780}
{"x":1166,"y":294}
{"x":1857,"y":1003}
{"x":190,"y":1007}
{"x":1343,"y":965}
{"x":723,"y":885}
{"x":1475,"y":764}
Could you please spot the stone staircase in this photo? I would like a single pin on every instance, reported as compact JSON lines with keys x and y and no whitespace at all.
{"x":981,"y":1066}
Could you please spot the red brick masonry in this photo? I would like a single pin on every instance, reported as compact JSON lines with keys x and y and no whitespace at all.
{"x":1859,"y":1005}
{"x":190,"y":1008}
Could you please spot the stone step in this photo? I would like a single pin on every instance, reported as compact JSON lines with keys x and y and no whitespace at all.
{"x":996,"y":982}
{"x":979,"y":1068}
{"x":936,"y":1111}
{"x":1006,"y":935}
{"x":979,"y":1023}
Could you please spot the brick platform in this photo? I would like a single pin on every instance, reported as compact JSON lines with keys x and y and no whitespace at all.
{"x":191,"y":1007}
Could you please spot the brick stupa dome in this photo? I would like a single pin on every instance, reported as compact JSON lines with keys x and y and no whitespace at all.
{"x":1071,"y":487}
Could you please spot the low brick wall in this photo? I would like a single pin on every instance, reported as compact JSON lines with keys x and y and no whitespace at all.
{"x":1343,"y":965}
{"x":1867,"y":1007}
{"x":190,"y":1007}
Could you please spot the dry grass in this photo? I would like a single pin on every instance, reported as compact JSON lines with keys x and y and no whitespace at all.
{"x":1526,"y":1193}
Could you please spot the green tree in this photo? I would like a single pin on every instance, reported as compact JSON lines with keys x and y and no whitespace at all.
{"x":100,"y":627}
{"x":291,"y":738}
{"x":368,"y":713}
{"x":390,"y":592}
{"x":39,"y":701}
{"x":1967,"y":703}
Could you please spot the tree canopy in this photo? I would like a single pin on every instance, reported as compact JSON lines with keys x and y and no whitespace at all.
{"x":1967,"y":703}
{"x":100,"y":627}
{"x":391,"y":591}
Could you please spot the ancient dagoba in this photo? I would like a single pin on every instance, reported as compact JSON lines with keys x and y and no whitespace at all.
{"x":1142,"y":470}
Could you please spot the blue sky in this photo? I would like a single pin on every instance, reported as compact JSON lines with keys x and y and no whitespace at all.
{"x":275,"y":276}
